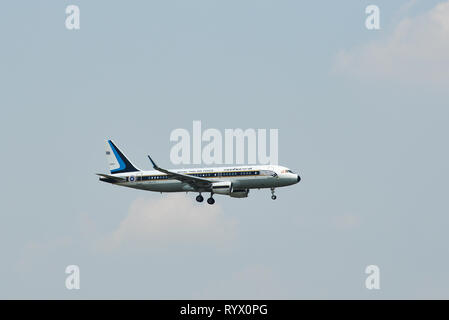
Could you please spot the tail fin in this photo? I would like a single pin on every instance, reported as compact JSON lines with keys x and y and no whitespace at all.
{"x":117,"y":161}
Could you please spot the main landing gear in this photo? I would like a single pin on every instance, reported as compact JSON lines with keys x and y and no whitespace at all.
{"x":273,"y":196}
{"x":200,"y":198}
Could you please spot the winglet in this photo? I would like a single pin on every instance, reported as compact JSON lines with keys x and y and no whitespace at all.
{"x":154,"y":164}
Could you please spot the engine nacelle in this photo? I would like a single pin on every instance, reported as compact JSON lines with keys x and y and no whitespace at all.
{"x":222,"y":187}
{"x":242,"y":193}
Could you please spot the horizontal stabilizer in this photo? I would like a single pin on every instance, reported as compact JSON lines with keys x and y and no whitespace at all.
{"x":110,"y":179}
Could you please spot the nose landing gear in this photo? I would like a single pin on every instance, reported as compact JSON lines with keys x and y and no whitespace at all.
{"x":273,"y":196}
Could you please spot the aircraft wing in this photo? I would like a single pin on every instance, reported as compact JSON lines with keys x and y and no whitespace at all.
{"x":195,"y":182}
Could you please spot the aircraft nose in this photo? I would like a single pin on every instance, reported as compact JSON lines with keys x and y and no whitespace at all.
{"x":299,"y":178}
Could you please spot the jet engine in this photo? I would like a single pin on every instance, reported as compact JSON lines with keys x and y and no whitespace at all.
{"x":242,"y":193}
{"x":224,"y":187}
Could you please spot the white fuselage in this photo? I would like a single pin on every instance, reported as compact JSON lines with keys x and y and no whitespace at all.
{"x":241,"y":177}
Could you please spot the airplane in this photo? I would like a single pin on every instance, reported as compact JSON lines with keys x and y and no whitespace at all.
{"x":231,"y":181}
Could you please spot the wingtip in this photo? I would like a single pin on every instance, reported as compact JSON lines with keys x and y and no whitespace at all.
{"x":152,"y":162}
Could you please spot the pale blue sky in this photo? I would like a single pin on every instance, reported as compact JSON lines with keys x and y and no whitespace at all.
{"x":368,"y":137}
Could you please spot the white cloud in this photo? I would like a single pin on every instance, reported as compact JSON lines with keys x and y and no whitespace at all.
{"x":417,"y":51}
{"x":172,"y":220}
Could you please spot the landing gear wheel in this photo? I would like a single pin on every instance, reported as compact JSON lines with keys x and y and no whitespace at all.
{"x":273,"y":196}
{"x":199,"y":198}
{"x":211,"y":200}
